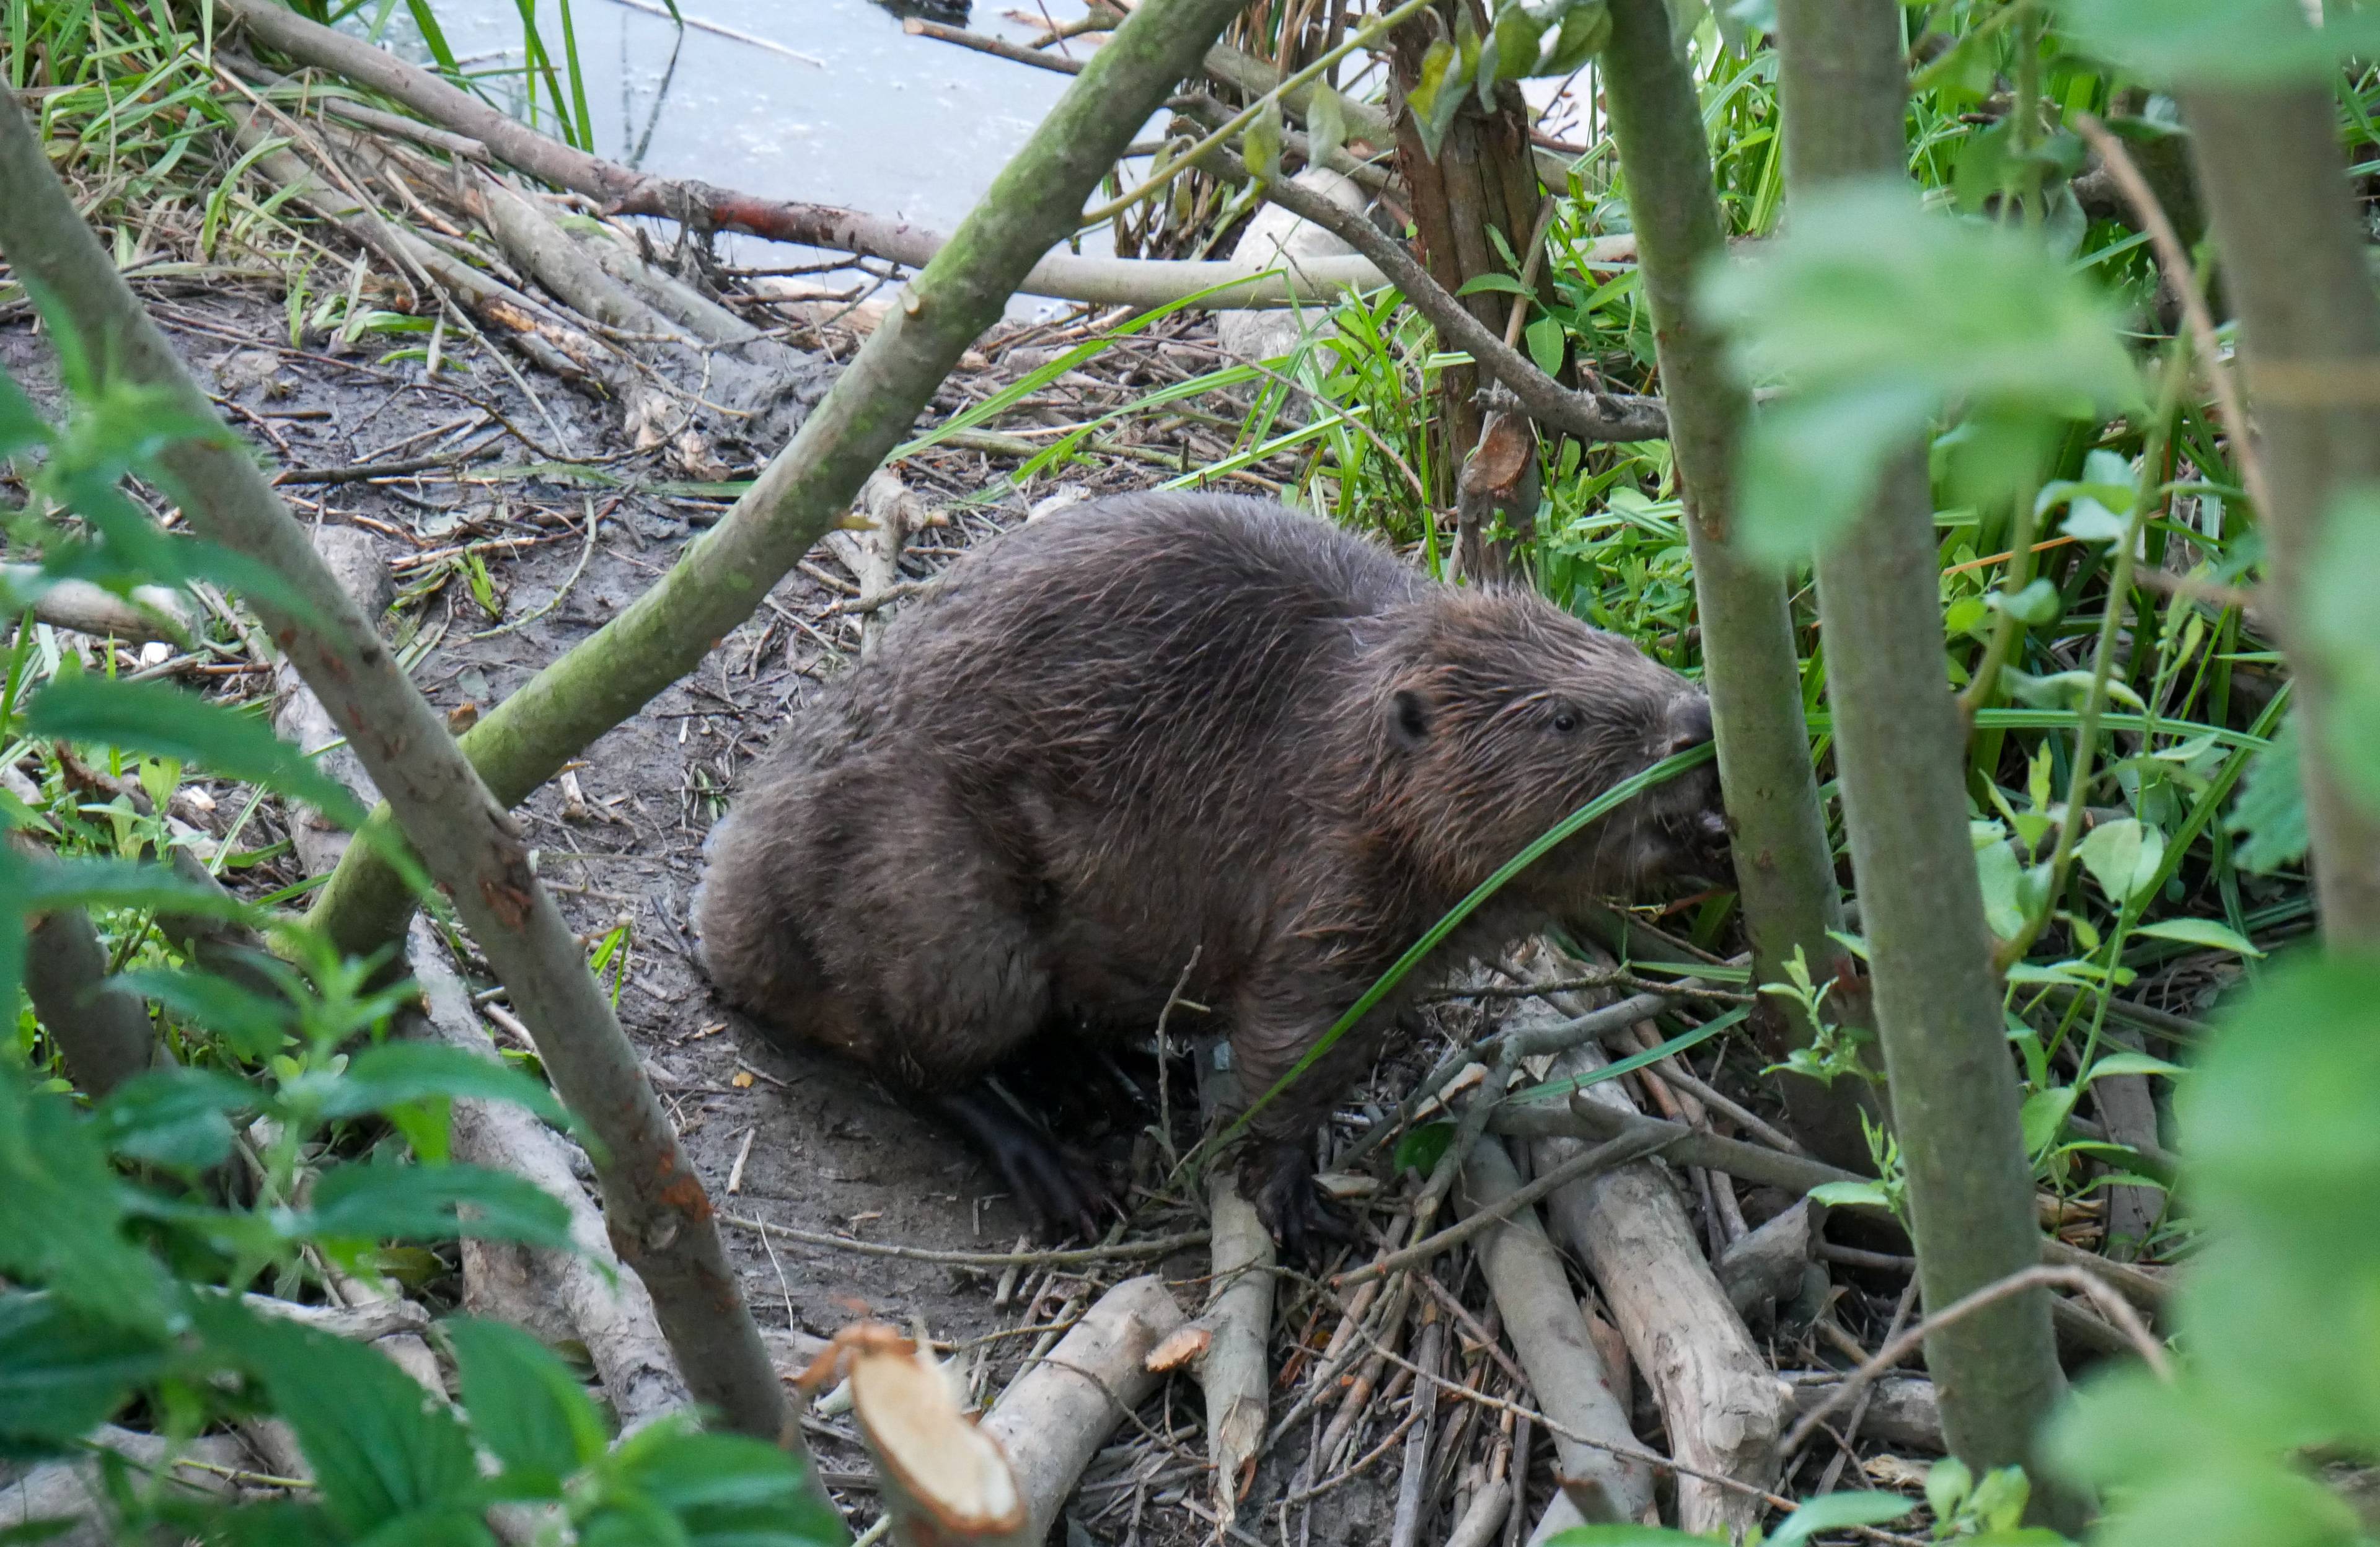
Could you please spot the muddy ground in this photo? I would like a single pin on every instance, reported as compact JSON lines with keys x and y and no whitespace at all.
{"x":779,"y":1134}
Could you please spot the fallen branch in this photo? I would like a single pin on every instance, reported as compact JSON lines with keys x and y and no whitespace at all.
{"x":150,"y":613}
{"x":1054,"y":1417}
{"x":1062,"y":1256}
{"x":1718,"y":1397}
{"x":655,"y":1206}
{"x":607,"y":1311}
{"x":1102,"y":281}
{"x":1549,"y":1337}
{"x":1577,"y":1168}
{"x":1759,"y":1164}
{"x":1235,"y":1375}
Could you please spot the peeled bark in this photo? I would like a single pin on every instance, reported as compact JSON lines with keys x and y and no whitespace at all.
{"x":1900,"y":749}
{"x":1784,"y":863}
{"x":1055,"y":1416}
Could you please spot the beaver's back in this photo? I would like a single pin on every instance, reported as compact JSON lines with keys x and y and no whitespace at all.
{"x":1117,"y":729}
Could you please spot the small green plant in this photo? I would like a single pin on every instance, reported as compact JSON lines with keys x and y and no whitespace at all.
{"x":1834,"y":1049}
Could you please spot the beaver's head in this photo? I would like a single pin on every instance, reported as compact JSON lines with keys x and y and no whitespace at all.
{"x":1499,"y":714}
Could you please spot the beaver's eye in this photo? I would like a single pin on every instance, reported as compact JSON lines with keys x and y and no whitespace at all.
{"x":1565,"y":719}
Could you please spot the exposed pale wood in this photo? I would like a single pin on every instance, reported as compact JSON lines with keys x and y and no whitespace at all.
{"x":1055,"y":1417}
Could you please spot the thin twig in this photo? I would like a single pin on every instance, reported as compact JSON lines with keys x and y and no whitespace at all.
{"x":1071,"y":1257}
{"x":1608,"y":1156}
{"x":2117,"y":1310}
{"x":2179,"y":273}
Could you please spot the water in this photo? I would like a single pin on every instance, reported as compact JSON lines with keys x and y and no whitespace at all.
{"x":866,"y":116}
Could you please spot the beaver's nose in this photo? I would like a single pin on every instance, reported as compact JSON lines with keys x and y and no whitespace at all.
{"x":1689,"y":724}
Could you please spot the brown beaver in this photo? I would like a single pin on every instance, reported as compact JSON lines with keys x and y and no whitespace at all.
{"x":1164,"y":731}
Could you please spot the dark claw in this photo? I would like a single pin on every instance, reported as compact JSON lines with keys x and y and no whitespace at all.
{"x":1306,"y":1225}
{"x":1056,"y":1189}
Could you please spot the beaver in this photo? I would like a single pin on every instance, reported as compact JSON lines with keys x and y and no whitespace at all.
{"x":1166,"y":740}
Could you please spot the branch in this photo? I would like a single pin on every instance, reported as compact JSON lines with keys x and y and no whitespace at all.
{"x":1588,"y":417}
{"x":2151,"y":1352}
{"x":808,"y":487}
{"x":655,"y":1205}
{"x":701,"y":205}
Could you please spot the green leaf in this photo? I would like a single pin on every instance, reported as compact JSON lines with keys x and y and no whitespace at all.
{"x":2002,"y":875}
{"x":2200,"y":932}
{"x":1325,"y":124}
{"x":425,"y":1203}
{"x":2036,"y":605}
{"x":1518,"y":36}
{"x":1503,"y":284}
{"x":2134,"y":1064}
{"x":21,"y":425}
{"x":1875,"y":318}
{"x":174,"y":1118}
{"x":2124,"y":858}
{"x":63,"y":1373}
{"x":1851,"y":1195}
{"x":725,"y":1490}
{"x":2267,"y":823}
{"x":1547,"y":344}
{"x":525,"y":1403}
{"x":379,"y":1446}
{"x":60,"y":1212}
{"x":2043,"y":1116}
{"x":1434,"y":96}
{"x":1261,"y":141}
{"x":158,"y":718}
{"x":1585,"y":28}
{"x":1831,"y":1512}
{"x":392,"y":1073}
{"x":451,"y":1525}
{"x":1621,"y":1536}
{"x":2228,"y":43}
{"x":1421,"y":1149}
{"x":1998,"y":1501}
{"x":1948,"y":1484}
{"x":255,"y":1024}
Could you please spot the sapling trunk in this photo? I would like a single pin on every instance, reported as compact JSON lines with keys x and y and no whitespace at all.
{"x":1900,"y":750}
{"x":1784,"y":864}
{"x":808,"y":487}
{"x":654,"y":1204}
{"x":2294,"y":266}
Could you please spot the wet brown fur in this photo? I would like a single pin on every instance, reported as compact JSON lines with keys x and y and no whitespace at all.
{"x":1164,"y":728}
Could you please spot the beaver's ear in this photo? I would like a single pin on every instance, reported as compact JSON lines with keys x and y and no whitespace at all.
{"x":1408,"y":719}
